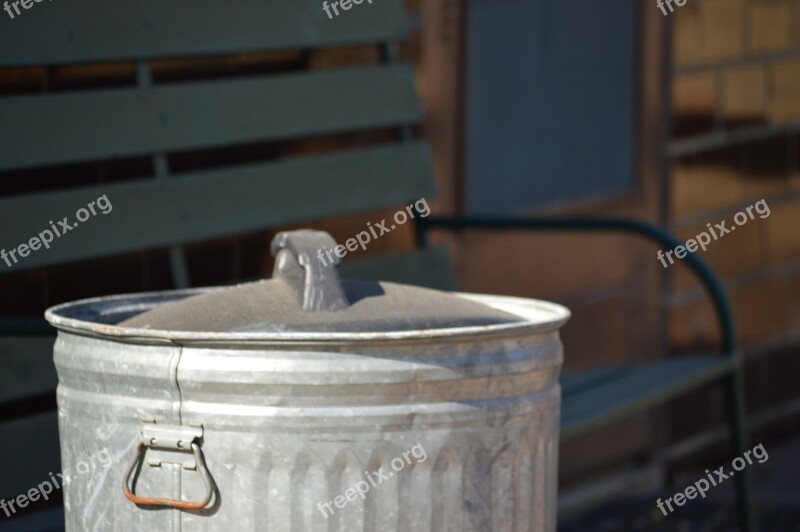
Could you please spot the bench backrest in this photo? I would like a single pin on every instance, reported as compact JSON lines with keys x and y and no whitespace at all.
{"x":151,"y":119}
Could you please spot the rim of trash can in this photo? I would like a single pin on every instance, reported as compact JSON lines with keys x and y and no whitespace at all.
{"x":96,"y":317}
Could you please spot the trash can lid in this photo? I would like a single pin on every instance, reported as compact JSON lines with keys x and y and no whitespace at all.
{"x":306,"y":295}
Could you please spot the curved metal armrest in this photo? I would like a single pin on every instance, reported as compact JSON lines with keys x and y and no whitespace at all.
{"x":649,"y":230}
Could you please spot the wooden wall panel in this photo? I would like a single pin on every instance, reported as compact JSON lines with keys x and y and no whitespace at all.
{"x":612,"y":281}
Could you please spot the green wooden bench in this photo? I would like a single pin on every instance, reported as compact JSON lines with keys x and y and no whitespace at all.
{"x":153,"y":119}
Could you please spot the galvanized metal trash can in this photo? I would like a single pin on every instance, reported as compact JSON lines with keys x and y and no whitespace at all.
{"x":302,"y":403}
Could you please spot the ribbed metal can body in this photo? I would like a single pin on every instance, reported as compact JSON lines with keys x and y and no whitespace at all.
{"x":373,"y":432}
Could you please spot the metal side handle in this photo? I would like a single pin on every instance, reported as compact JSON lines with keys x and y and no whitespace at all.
{"x":176,"y":438}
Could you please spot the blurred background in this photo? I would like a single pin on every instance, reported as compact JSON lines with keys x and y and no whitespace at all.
{"x":525,"y":108}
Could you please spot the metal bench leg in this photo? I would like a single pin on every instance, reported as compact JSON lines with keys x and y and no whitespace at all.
{"x":744,"y":492}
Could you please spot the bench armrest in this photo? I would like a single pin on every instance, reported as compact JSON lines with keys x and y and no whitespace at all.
{"x":651,"y":231}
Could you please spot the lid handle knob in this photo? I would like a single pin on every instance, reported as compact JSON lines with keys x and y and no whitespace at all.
{"x":316,"y":283}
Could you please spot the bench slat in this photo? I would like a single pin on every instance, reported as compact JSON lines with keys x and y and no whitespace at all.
{"x":70,"y":127}
{"x":152,"y":213}
{"x":430,"y":267}
{"x":572,"y":382}
{"x":28,"y":368}
{"x":94,"y":30}
{"x":636,"y":389}
{"x":49,"y":519}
